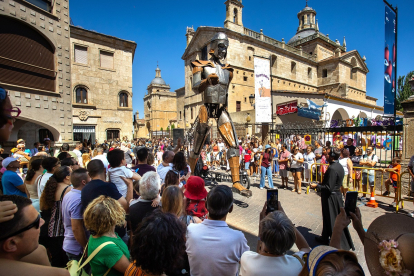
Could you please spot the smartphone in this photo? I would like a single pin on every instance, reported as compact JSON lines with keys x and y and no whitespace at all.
{"x":351,"y":202}
{"x":272,"y":200}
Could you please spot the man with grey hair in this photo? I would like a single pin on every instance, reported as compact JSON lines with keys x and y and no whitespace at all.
{"x":102,"y":157}
{"x":277,"y":234}
{"x":149,"y":189}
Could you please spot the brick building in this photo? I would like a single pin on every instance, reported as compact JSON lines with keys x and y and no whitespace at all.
{"x":309,"y":65}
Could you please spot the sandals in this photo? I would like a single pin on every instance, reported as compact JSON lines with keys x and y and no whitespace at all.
{"x":294,"y":191}
{"x":299,"y":192}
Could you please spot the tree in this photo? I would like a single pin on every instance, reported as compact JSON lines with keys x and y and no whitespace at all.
{"x":172,"y":126}
{"x":168,"y":128}
{"x":403,"y":90}
{"x":161,"y":129}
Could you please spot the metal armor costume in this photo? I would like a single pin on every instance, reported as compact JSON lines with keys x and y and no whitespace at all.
{"x":212,"y":78}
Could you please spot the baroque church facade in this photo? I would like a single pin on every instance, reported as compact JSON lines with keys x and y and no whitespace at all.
{"x":308,"y":66}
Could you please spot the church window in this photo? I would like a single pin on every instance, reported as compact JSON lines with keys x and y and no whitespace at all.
{"x":309,"y":72}
{"x":293,"y":67}
{"x":107,"y":59}
{"x":112,"y":134}
{"x":324,"y":73}
{"x":191,"y":113}
{"x":81,"y":95}
{"x":303,"y":20}
{"x":308,"y":17}
{"x":235,"y":16}
{"x":123,"y":99}
{"x":245,"y":78}
{"x":238,"y":106}
{"x":81,"y":54}
{"x":250,"y":58}
{"x":43,"y":4}
{"x":180,"y":115}
{"x":245,"y":99}
{"x":273,"y":61}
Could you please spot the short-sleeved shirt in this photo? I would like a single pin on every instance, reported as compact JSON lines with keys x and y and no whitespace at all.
{"x":351,"y":149}
{"x":108,"y":256}
{"x":213,"y":248}
{"x":371,"y":158}
{"x":247,"y":156}
{"x":115,"y":177}
{"x":71,"y":209}
{"x":394,"y":176}
{"x":318,"y":151}
{"x":220,"y":146}
{"x":283,"y":155}
{"x":252,"y":263}
{"x":96,"y":188}
{"x":308,"y":159}
{"x":103,"y":159}
{"x":294,"y":163}
{"x":10,"y":181}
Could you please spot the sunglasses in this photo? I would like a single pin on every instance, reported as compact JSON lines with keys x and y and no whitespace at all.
{"x":35,"y":224}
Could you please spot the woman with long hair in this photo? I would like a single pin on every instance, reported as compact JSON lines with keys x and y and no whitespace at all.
{"x":265,"y":162}
{"x":85,"y":159}
{"x":171,"y":178}
{"x":34,"y":173}
{"x":180,"y":165}
{"x":53,"y":231}
{"x":101,"y":217}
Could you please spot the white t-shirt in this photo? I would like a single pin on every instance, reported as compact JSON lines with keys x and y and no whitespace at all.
{"x":254,"y":264}
{"x":79,"y":155}
{"x":294,"y":163}
{"x":220,"y":146}
{"x":103,"y":159}
{"x":308,"y":160}
{"x":371,"y":158}
{"x":159,"y":155}
{"x":115,"y":174}
{"x":42,"y":183}
{"x":163,"y":170}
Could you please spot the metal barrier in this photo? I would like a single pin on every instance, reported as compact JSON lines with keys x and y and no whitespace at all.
{"x":409,"y":189}
{"x":375,"y":180}
{"x":367,"y":179}
{"x":316,"y":173}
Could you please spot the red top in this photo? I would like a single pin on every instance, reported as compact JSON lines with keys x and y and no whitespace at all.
{"x":247,"y":156}
{"x":265,"y":160}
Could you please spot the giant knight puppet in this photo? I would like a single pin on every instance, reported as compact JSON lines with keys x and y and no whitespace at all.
{"x":212,"y":78}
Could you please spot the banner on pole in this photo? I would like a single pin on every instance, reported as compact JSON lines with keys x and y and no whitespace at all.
{"x":390,"y":54}
{"x":263,"y":100}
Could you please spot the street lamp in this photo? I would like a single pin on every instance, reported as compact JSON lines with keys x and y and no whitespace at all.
{"x":251,"y":100}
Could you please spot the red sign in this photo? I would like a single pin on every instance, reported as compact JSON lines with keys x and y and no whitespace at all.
{"x":287,"y":108}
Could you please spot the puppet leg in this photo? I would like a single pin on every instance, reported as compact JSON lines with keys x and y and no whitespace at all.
{"x":227,"y":131}
{"x":200,"y":134}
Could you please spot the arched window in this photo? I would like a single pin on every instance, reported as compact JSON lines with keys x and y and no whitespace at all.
{"x":123,"y":99}
{"x":81,"y":95}
{"x":235,"y":16}
{"x":27,"y":56}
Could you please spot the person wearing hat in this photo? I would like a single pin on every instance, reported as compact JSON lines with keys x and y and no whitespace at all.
{"x":11,"y":181}
{"x":331,"y":200}
{"x":196,"y":193}
{"x":265,"y":162}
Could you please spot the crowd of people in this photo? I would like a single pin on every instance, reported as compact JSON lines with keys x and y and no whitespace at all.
{"x":115,"y":209}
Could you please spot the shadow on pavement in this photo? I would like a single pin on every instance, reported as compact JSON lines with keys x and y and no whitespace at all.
{"x":309,"y":237}
{"x":251,"y":239}
{"x":240,"y":204}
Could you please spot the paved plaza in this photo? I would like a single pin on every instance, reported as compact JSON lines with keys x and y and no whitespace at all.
{"x":304,"y":210}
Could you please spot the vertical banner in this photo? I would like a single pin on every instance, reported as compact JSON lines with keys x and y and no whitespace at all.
{"x":390,"y":54}
{"x":263,"y":100}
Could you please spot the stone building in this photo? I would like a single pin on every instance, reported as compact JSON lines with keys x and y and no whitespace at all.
{"x":101,"y":85}
{"x":35,"y":68}
{"x":160,"y":106}
{"x":309,"y":65}
{"x":42,"y":65}
{"x":140,"y":129}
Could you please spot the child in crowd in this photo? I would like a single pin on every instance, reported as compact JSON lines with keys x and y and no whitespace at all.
{"x":159,"y":156}
{"x":203,"y":156}
{"x":195,"y":194}
{"x":118,"y":169}
{"x":395,"y":170}
{"x":150,"y":159}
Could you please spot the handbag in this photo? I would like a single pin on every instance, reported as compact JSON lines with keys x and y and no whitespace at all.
{"x":76,"y":269}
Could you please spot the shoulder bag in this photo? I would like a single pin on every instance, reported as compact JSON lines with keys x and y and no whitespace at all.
{"x":74,"y":267}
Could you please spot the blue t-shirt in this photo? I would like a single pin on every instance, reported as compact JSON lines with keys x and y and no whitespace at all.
{"x":10,"y":181}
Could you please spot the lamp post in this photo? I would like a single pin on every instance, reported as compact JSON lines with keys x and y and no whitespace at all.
{"x":251,"y":100}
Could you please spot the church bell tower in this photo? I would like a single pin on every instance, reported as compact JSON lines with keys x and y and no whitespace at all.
{"x":234,"y":12}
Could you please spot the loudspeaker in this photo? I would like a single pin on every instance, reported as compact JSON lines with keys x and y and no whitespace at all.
{"x":178,"y":133}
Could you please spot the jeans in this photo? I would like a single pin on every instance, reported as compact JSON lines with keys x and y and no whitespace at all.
{"x":275,"y":166}
{"x":266,"y":171}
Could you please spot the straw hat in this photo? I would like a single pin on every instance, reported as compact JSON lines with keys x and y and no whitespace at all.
{"x":381,"y":233}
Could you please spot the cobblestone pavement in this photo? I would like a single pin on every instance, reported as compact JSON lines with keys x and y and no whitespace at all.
{"x":303,"y":209}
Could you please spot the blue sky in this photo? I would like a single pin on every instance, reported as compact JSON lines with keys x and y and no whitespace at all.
{"x":158,"y":27}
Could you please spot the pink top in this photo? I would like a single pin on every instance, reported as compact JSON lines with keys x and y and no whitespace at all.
{"x":284,"y":155}
{"x":323,"y":161}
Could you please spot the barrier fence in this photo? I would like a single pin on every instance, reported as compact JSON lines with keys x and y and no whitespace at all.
{"x":410,"y":179}
{"x":356,"y":187}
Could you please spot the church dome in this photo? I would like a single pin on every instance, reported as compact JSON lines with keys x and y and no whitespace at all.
{"x":158,"y":80}
{"x":302,"y":34}
{"x":307,"y":9}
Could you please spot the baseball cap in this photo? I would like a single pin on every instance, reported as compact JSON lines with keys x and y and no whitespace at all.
{"x":6,"y":162}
